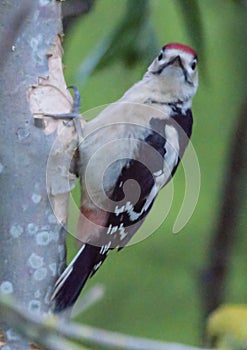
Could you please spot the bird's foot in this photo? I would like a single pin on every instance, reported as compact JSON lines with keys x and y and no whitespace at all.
{"x":74,"y":115}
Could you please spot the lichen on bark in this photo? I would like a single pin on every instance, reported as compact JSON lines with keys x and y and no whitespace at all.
{"x":32,"y":236}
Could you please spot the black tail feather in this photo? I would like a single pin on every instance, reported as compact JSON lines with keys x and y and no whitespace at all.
{"x":75,"y":276}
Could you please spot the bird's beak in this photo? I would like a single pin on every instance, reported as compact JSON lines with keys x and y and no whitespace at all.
{"x":177,"y":62}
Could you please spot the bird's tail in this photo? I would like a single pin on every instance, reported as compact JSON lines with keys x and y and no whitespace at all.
{"x":74,"y":277}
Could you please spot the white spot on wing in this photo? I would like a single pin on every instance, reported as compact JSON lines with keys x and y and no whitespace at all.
{"x":158,"y":173}
{"x":150,"y":198}
{"x":95,"y":268}
{"x":104,"y":249}
{"x":122,"y":232}
{"x":129,"y":209}
{"x":111,"y":229}
{"x":133,"y":215}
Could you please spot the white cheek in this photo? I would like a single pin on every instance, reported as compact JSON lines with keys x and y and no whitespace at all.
{"x":190,"y":71}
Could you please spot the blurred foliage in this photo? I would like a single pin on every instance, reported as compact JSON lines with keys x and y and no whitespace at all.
{"x":190,"y":10}
{"x":241,"y":2}
{"x":227,"y":327}
{"x":152,"y":287}
{"x":214,"y":274}
{"x":125,"y":42}
{"x":133,"y":39}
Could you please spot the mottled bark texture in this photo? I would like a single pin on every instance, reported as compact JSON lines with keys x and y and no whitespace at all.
{"x":32,"y":239}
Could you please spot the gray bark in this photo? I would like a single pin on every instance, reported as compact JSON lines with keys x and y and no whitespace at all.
{"x":31,"y":240}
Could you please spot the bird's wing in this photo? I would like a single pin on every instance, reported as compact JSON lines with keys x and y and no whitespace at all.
{"x":157,"y":155}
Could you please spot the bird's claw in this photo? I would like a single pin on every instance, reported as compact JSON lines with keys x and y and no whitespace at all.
{"x":74,"y":115}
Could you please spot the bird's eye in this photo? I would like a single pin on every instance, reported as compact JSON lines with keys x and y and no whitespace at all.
{"x":160,"y":56}
{"x":193,"y":64}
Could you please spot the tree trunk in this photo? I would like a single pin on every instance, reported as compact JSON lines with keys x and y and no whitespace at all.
{"x":32,"y":237}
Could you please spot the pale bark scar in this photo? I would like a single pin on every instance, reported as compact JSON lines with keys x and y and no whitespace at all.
{"x":50,"y":96}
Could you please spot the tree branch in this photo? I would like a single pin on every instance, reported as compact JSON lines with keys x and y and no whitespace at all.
{"x":54,"y":335}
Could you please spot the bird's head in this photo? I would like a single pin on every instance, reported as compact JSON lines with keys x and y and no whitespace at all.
{"x":176,"y":71}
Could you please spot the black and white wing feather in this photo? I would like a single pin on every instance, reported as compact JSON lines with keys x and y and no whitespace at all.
{"x":155,"y":162}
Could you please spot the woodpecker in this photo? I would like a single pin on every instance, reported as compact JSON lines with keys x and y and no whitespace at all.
{"x":128,"y":153}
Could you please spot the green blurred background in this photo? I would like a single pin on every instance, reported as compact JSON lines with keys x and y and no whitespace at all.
{"x":153,"y":288}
